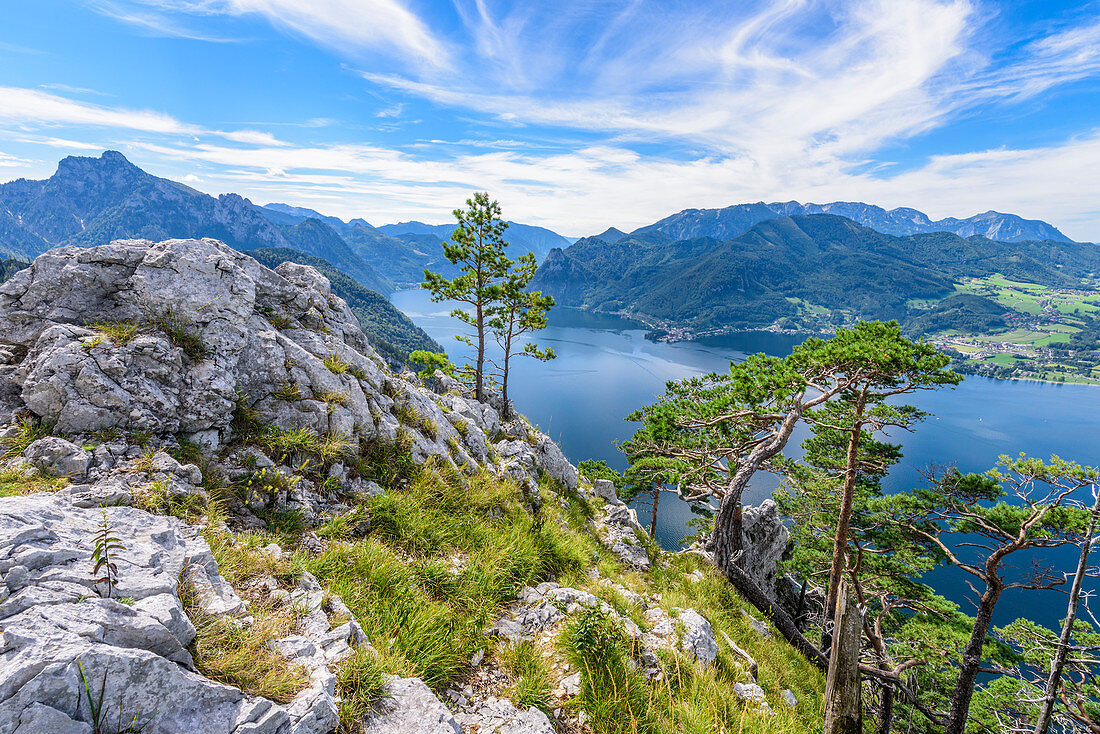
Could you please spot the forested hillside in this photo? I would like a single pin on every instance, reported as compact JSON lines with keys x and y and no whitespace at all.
{"x":9,"y":268}
{"x":801,"y":271}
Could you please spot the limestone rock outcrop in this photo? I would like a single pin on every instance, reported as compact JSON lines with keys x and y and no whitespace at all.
{"x":60,"y":629}
{"x":176,"y":338}
{"x":765,"y":542}
{"x":128,"y":351}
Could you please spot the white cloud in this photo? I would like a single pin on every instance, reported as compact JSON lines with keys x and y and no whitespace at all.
{"x":22,"y":106}
{"x":583,"y":191}
{"x":252,"y":137}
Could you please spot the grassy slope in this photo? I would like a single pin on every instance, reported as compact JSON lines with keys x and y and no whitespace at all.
{"x":443,"y":556}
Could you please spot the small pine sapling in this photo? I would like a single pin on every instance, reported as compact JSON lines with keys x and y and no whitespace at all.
{"x":105,"y":551}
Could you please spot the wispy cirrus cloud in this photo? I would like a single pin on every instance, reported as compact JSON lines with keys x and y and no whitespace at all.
{"x":351,"y":27}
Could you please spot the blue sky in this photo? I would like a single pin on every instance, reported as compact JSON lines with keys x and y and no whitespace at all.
{"x":575,"y":115}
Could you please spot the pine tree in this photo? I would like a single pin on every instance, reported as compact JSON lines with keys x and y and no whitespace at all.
{"x":477,"y":246}
{"x":518,"y":312}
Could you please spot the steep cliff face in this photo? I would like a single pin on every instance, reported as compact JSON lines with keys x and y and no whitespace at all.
{"x":290,"y":524}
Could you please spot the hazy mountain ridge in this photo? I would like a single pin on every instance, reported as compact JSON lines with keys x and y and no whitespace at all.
{"x":522,"y":238}
{"x":732,"y":221}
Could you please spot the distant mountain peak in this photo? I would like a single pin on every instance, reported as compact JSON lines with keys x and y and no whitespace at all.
{"x":110,"y":163}
{"x":611,"y":234}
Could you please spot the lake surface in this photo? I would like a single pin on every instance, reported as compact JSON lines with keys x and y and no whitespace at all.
{"x":606,"y":368}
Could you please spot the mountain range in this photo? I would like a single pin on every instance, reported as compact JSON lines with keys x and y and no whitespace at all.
{"x":734,"y":220}
{"x":787,"y":266}
{"x":522,"y":238}
{"x":91,"y":201}
{"x":747,"y":264}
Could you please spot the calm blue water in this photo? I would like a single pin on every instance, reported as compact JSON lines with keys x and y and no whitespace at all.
{"x":605,"y":368}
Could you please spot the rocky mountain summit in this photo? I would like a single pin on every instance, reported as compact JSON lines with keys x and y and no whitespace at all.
{"x":227,"y":435}
{"x":92,"y":201}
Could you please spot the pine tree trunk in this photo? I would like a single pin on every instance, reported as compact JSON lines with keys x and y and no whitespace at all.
{"x":844,"y":520}
{"x":754,"y":595}
{"x":843,"y":710}
{"x":653,"y":514}
{"x":504,"y":379}
{"x":1050,"y":693}
{"x":971,"y":661}
{"x":728,"y":526}
{"x":728,"y":532}
{"x":479,"y":391}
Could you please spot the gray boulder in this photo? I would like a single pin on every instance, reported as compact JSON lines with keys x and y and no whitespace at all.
{"x":698,"y":637}
{"x":410,"y":707}
{"x":605,"y":488}
{"x":59,"y":631}
{"x":58,"y":457}
{"x":83,"y":381}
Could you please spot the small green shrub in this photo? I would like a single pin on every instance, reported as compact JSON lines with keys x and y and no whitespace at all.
{"x":106,"y":547}
{"x":429,"y":362}
{"x":613,"y":692}
{"x":264,"y":485}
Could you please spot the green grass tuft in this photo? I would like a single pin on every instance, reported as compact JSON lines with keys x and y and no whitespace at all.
{"x":28,"y":431}
{"x":177,"y":326}
{"x":289,"y":392}
{"x":530,"y":678}
{"x":120,"y":332}
{"x":336,"y":365}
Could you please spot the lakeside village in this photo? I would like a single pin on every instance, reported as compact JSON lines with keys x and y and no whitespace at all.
{"x":1037,"y":342}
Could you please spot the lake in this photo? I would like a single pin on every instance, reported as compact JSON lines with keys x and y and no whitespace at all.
{"x":605,"y":368}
